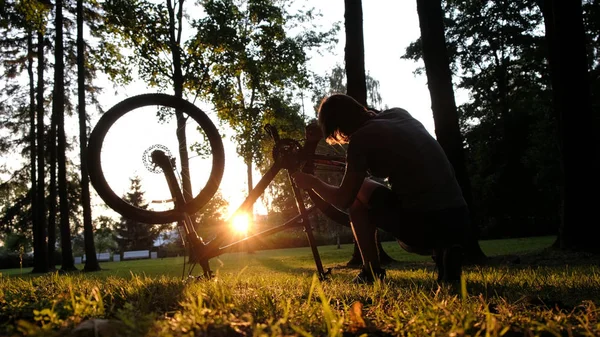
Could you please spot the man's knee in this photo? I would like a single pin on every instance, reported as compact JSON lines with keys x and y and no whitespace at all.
{"x":367,"y":189}
{"x":358,"y":209}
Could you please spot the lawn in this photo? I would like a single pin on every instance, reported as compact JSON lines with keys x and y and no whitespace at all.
{"x":274,"y":293}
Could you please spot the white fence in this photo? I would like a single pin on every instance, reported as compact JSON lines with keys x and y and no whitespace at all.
{"x":102,"y":257}
{"x":130,"y":255}
{"x":136,"y":254}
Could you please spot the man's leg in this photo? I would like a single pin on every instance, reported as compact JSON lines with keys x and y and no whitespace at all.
{"x":364,"y":234}
{"x":365,"y":230}
{"x":448,"y":228}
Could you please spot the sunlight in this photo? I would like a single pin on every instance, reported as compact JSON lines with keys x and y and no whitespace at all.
{"x":241,"y":223}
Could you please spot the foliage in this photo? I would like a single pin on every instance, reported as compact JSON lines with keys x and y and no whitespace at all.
{"x":213,"y":212}
{"x":257,"y":64}
{"x":104,"y":239}
{"x":133,"y":235}
{"x":138,"y":37}
{"x":498,"y":54}
{"x":335,"y":82}
{"x":274,"y":295}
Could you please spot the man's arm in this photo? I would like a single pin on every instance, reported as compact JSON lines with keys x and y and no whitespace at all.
{"x":342,"y":196}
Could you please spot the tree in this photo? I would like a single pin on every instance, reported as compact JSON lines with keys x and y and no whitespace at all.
{"x":209,"y":220}
{"x":32,"y":134}
{"x":256,"y":63}
{"x":91,"y":262}
{"x":20,"y":20}
{"x":439,"y":80}
{"x":58,"y":114}
{"x":497,"y":54}
{"x":133,"y":235}
{"x":41,"y":145}
{"x":335,"y":82}
{"x":164,"y":59}
{"x":354,"y":55}
{"x":577,"y":133}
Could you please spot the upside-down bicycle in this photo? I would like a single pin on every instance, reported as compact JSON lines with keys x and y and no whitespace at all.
{"x":288,"y":154}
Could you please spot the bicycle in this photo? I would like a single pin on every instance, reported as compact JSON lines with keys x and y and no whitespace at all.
{"x":288,"y":154}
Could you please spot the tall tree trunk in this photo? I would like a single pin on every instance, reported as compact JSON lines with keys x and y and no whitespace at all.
{"x":439,"y":81}
{"x":576,"y":131}
{"x":52,"y":194}
{"x":58,"y":109}
{"x":354,"y":52}
{"x":551,"y":50}
{"x":32,"y":147}
{"x":249,"y":166}
{"x":175,"y":42}
{"x":91,"y":260}
{"x":41,"y":251}
{"x":354,"y":55}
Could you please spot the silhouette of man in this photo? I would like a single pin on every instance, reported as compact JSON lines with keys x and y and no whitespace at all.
{"x":424,"y":208}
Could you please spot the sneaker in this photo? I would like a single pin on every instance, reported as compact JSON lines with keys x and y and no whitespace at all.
{"x":448,"y":262}
{"x":366,"y":276}
{"x":452,"y":264}
{"x":438,"y":258}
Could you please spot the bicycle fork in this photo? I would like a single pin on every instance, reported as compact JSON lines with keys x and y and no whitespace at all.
{"x":199,"y":250}
{"x":308,"y":229}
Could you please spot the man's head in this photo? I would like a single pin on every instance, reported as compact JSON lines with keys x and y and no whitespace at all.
{"x":339,"y":116}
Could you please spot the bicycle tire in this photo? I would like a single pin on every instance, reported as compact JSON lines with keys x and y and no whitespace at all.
{"x":326,"y":208}
{"x":98,"y":180}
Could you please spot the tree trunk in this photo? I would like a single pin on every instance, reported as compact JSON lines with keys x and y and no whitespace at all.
{"x":354,"y":52}
{"x":40,"y":250}
{"x":546,"y":8}
{"x":32,"y":147}
{"x":354,"y":55}
{"x":249,"y":174}
{"x":175,"y":45}
{"x":58,"y":109}
{"x":565,"y":35}
{"x":52,"y":194}
{"x":439,"y":80}
{"x":91,"y":260}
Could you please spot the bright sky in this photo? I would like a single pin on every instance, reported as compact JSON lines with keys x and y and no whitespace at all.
{"x":389,"y":26}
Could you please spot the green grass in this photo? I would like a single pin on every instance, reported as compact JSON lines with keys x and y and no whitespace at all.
{"x":272,"y":293}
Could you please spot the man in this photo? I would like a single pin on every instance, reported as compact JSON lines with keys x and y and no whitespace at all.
{"x":424,"y":209}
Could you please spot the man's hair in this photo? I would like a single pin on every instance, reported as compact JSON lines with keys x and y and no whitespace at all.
{"x":337,"y":114}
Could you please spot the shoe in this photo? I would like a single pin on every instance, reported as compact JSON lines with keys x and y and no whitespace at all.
{"x":453,"y":257}
{"x":366,"y":276}
{"x":438,"y":258}
{"x":448,"y":262}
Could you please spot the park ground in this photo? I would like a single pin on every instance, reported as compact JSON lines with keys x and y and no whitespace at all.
{"x":527,"y":289}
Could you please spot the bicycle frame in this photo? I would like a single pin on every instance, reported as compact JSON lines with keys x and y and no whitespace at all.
{"x":202,"y":252}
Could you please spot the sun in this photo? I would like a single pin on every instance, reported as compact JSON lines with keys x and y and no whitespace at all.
{"x":241,"y":223}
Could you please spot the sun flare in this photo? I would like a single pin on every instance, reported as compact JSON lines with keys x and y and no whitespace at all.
{"x":241,"y":223}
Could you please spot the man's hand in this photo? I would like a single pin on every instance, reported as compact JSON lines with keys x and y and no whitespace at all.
{"x":304,"y":181}
{"x":313,"y":131}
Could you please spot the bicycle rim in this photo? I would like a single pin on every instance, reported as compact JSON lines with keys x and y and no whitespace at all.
{"x":125,"y":136}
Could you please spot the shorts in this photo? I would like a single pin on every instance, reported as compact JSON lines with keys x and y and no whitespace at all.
{"x":417,"y":231}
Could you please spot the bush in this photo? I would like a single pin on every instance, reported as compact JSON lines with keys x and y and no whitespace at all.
{"x":12,"y":260}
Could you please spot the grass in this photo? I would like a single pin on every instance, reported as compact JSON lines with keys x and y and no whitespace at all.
{"x":273,"y":293}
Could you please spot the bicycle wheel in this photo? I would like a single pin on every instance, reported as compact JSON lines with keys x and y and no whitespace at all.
{"x":120,"y":145}
{"x":328,"y":163}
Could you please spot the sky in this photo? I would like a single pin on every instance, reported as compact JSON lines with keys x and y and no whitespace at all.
{"x":389,"y":26}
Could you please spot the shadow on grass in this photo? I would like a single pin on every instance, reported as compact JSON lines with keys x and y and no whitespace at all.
{"x":70,"y":300}
{"x":280,"y":266}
